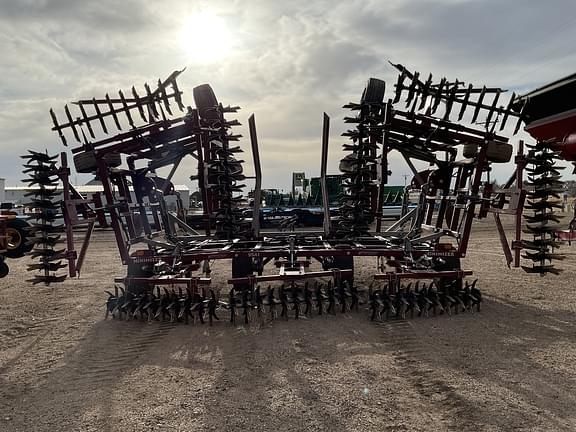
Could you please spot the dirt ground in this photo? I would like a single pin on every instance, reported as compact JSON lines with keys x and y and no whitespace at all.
{"x":510,"y":367}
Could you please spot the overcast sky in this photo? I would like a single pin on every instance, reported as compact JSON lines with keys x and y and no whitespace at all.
{"x":289,"y":61}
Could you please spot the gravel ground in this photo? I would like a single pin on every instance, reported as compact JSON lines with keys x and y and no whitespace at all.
{"x":510,"y":367}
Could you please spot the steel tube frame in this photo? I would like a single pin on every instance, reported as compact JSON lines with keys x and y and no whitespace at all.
{"x":323,"y":168}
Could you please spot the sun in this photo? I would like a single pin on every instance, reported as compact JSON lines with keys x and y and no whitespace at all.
{"x":205,"y":37}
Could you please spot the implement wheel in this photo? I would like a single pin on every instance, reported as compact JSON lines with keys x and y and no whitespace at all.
{"x":374,"y":91}
{"x":17,"y":232}
{"x":496,"y":152}
{"x":449,"y":264}
{"x":86,"y":162}
{"x":344,"y":263}
{"x":241,"y":267}
{"x":138,"y":270}
{"x":3,"y":268}
{"x":206,"y":101}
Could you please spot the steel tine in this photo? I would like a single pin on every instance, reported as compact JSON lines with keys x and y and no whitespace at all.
{"x":438,"y":96}
{"x":177,"y":94}
{"x":99,"y":114}
{"x":151,"y":103}
{"x":113,"y":112}
{"x":84,"y":139}
{"x":399,"y":85}
{"x":520,"y":118}
{"x":412,"y":88}
{"x":164,"y":97}
{"x":450,"y":102}
{"x":85,"y":118}
{"x":126,"y":109}
{"x":492,"y":109}
{"x":479,"y":104}
{"x":71,"y":122}
{"x":425,"y":92}
{"x":507,"y":111}
{"x":464,"y":102}
{"x":57,"y":127}
{"x":139,"y":104}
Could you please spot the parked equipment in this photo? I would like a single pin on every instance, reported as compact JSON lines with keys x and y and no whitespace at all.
{"x":169,"y":263}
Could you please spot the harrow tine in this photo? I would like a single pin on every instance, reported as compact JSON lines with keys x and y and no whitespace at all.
{"x":139,"y":104}
{"x":295,"y":301}
{"x":99,"y":115}
{"x":355,"y":298}
{"x":271,"y":302}
{"x":412,"y":88}
{"x":492,"y":110}
{"x":307,"y":300}
{"x":425,"y":93}
{"x":400,"y":85}
{"x":71,"y":122}
{"x":85,"y":118}
{"x":245,"y":306}
{"x":164,"y":97}
{"x":110,"y":303}
{"x":438,"y":95}
{"x":258,"y":299}
{"x":476,"y":295}
{"x":341,"y":297}
{"x":450,"y":103}
{"x":479,"y":104}
{"x":284,"y":303}
{"x":200,"y":309}
{"x":58,"y":128}
{"x":232,"y":306}
{"x":464,"y":102}
{"x":185,"y":309}
{"x":507,"y":111}
{"x":319,"y":299}
{"x":373,"y":302}
{"x":331,"y":299}
{"x":152,"y":111}
{"x":212,"y":303}
{"x":177,"y":95}
{"x":126,"y":109}
{"x":113,"y":112}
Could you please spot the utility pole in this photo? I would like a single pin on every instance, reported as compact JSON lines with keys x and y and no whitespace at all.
{"x":405,"y":177}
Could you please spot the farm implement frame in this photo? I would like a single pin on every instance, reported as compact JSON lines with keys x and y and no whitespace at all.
{"x":418,"y":257}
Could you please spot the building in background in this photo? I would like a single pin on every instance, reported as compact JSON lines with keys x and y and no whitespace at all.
{"x":16,"y":194}
{"x":2,"y":190}
{"x":299,"y":184}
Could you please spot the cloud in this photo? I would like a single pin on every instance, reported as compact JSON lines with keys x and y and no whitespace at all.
{"x":291,"y":60}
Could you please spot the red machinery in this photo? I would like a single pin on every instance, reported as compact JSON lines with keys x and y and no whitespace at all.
{"x":426,"y":243}
{"x":550,"y":116}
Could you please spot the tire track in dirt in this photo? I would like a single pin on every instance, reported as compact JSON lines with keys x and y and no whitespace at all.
{"x":99,"y":358}
{"x":410,"y":356}
{"x":107,"y":359}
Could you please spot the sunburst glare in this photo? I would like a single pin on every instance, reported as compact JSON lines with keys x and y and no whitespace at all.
{"x":205,"y":37}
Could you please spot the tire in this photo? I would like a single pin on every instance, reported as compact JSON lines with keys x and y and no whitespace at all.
{"x":205,"y":101}
{"x":85,"y":162}
{"x":138,"y":270}
{"x":374,"y":91}
{"x":17,"y":231}
{"x":344,"y":263}
{"x":241,"y":267}
{"x":497,"y":152}
{"x":4,"y":270}
{"x":451,"y":263}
